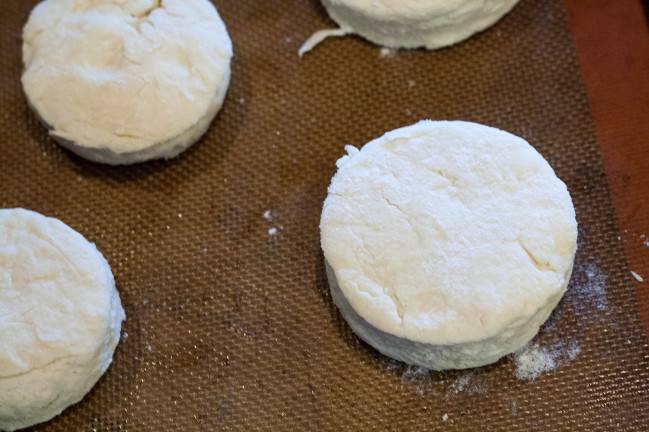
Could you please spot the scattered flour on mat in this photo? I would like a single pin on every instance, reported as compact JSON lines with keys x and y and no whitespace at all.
{"x":268,"y":215}
{"x":533,"y":360}
{"x":460,"y":384}
{"x":588,"y":289}
{"x":417,"y":378}
{"x":408,"y":373}
{"x":425,"y":381}
{"x":553,"y":321}
{"x":573,"y":351}
{"x":445,"y":417}
{"x":467,"y":383}
{"x":414,"y":373}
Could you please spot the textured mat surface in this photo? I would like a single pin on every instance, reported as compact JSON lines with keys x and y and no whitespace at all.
{"x":231,"y":328}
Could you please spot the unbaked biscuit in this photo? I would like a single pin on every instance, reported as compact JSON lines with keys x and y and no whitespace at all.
{"x":60,"y":317}
{"x":126,"y":81}
{"x":448,"y":244}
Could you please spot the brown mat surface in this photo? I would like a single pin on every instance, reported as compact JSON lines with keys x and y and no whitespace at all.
{"x":232,"y":329}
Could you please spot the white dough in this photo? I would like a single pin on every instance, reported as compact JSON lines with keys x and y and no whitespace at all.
{"x":125,"y":81}
{"x":448,"y":243}
{"x":60,"y":317}
{"x":416,"y":23}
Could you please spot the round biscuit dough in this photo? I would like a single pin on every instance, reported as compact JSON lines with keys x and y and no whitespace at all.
{"x":60,"y":317}
{"x":447,"y":244}
{"x":416,"y":23}
{"x":126,"y":81}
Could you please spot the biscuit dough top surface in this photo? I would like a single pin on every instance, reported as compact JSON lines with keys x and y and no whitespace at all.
{"x":57,"y":295}
{"x":124,"y":74}
{"x":448,"y":232}
{"x":391,"y":9}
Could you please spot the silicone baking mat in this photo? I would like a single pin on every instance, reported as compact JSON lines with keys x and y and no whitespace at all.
{"x":230,"y":325}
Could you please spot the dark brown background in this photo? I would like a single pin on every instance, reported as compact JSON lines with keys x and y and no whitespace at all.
{"x":231,"y":329}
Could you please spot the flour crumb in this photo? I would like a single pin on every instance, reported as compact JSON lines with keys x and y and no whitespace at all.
{"x":637,"y":277}
{"x":646,"y":243}
{"x":242,"y":100}
{"x":124,"y":337}
{"x":445,"y":417}
{"x":387,"y":52}
{"x":274,"y":231}
{"x":268,"y":215}
{"x":411,"y":83}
